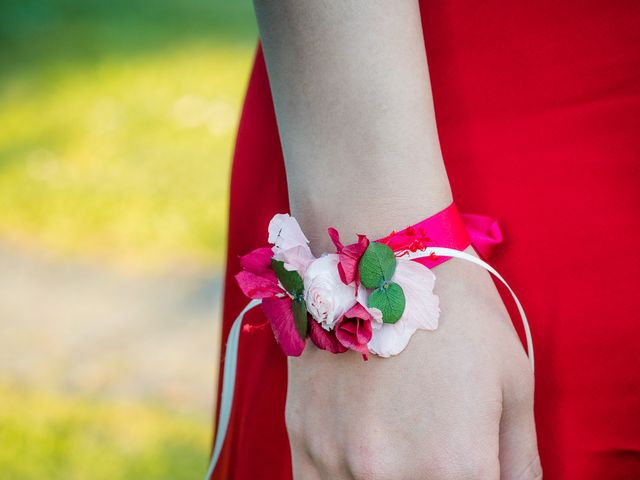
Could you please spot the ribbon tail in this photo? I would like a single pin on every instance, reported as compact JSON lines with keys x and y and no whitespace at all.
{"x":449,"y":252}
{"x":484,"y":232}
{"x":228,"y":384}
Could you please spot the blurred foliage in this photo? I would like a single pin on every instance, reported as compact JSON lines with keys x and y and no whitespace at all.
{"x":116,"y":125}
{"x":64,"y":438}
{"x":116,"y":130}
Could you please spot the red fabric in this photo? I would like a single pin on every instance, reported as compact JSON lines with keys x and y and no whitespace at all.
{"x":538,"y":105}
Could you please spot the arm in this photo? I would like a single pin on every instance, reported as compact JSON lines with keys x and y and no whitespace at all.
{"x":353,"y":101}
{"x":351,"y":90}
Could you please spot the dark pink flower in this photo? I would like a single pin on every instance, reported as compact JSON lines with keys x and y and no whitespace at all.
{"x":257,"y":280}
{"x":349,"y":256}
{"x":354,"y":331}
{"x":325,"y":339}
{"x":278,"y":311}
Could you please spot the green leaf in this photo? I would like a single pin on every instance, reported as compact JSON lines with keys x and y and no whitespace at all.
{"x":390,"y":300}
{"x":299,"y":308}
{"x":290,"y":280}
{"x":377,"y":265}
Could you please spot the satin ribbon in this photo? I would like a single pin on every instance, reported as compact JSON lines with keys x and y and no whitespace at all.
{"x":447,"y":228}
{"x":484,"y":232}
{"x":231,"y":354}
{"x":444,"y":229}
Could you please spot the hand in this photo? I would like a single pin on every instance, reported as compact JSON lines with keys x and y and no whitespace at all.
{"x":456,"y":404}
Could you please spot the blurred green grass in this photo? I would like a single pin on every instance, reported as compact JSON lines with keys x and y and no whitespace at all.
{"x":116,"y":126}
{"x":116,"y":130}
{"x":45,"y":435}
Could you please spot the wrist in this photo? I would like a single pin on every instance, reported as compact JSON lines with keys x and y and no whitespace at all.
{"x":352,"y":214}
{"x":460,"y":282}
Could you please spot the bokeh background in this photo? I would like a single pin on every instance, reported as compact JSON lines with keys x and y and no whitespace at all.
{"x":117,"y":122}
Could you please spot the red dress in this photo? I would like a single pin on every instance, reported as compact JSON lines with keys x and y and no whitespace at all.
{"x":538,"y":112}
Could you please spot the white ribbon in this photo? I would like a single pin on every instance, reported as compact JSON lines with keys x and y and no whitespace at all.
{"x":231,"y":354}
{"x":449,"y":252}
{"x":228,"y":384}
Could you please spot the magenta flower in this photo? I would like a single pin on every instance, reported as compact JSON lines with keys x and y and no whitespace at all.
{"x":325,"y":339}
{"x":354,"y":330}
{"x":258,"y":280}
{"x":349,"y":256}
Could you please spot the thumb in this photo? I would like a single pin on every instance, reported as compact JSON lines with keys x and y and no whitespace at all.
{"x":519,"y":459}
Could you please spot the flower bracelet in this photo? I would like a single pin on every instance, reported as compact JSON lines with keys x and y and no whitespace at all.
{"x":368,"y":296}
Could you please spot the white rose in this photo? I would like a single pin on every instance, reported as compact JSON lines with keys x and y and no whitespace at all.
{"x":327,"y":297}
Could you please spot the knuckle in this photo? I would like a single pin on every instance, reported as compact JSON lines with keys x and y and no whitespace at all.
{"x":293,"y":420}
{"x":328,"y":460}
{"x":522,"y":385}
{"x":373,"y":458}
{"x":375,"y":471}
{"x":466,"y":456}
{"x":531,"y":471}
{"x":314,"y":443}
{"x":470,"y":466}
{"x":527,"y":379}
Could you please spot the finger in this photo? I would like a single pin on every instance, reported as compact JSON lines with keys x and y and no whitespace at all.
{"x":519,"y":459}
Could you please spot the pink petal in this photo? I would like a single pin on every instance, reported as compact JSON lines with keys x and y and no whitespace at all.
{"x":422,"y":305}
{"x":259,"y":262}
{"x":285,"y":233}
{"x":296,"y":258}
{"x":278,"y":311}
{"x":390,"y":339}
{"x":359,"y":311}
{"x":349,"y":255}
{"x":256,"y":286}
{"x":421,"y":309}
{"x":354,"y":332}
{"x":325,"y":340}
{"x":335,"y":238}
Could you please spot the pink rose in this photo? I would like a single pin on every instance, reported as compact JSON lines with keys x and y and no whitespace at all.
{"x":354,"y":331}
{"x":325,"y":339}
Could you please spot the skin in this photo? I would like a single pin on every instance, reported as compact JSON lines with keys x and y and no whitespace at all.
{"x":353,"y":101}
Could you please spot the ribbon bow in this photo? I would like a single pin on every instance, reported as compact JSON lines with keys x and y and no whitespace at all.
{"x":484,"y":232}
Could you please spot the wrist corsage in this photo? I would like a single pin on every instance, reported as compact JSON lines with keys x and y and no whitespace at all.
{"x":367,"y":296}
{"x":364,"y":297}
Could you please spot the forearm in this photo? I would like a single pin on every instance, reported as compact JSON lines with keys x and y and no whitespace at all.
{"x":353,"y":101}
{"x":351,"y":90}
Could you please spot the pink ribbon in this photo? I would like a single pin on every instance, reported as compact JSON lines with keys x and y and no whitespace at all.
{"x":447,"y":228}
{"x":484,"y":231}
